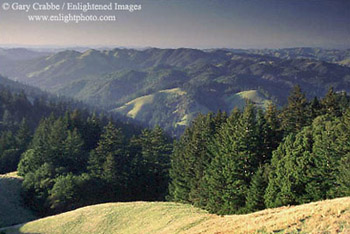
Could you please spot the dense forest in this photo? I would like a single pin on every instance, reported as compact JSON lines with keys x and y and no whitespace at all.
{"x":247,"y":160}
{"x":254,"y":159}
{"x":74,"y":161}
{"x":71,"y":157}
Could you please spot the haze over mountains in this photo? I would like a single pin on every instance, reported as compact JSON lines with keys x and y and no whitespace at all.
{"x":168,"y":87}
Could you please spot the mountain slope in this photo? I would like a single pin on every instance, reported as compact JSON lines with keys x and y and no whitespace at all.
{"x":19,"y":87}
{"x":12,"y":211}
{"x":212,"y":80}
{"x":331,"y":216}
{"x":171,"y":106}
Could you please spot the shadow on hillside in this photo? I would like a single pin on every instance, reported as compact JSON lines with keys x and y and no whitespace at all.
{"x":12,"y":211}
{"x":15,"y":230}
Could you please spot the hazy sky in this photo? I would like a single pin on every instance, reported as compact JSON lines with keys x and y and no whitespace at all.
{"x":191,"y":23}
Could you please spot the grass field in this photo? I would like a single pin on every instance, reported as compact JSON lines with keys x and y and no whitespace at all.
{"x":331,"y":216}
{"x":239,"y":99}
{"x":133,"y":107}
{"x":11,"y":208}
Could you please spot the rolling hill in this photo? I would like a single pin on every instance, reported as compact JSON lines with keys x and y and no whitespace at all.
{"x":179,"y":108}
{"x":120,"y":79}
{"x":330,"y":216}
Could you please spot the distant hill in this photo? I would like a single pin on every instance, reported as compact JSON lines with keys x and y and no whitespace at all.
{"x":326,"y":55}
{"x":12,"y":210}
{"x":120,"y":79}
{"x":21,"y":54}
{"x":17,"y":87}
{"x":330,"y":216}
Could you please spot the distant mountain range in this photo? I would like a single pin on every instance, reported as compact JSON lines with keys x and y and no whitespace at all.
{"x":168,"y":87}
{"x":341,"y":57}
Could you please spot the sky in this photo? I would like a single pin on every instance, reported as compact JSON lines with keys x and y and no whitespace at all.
{"x":187,"y":23}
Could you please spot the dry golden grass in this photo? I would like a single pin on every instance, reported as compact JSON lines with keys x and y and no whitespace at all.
{"x":331,"y":216}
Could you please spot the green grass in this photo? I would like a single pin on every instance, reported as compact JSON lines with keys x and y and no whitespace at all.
{"x":12,"y":210}
{"x":135,"y":217}
{"x":132,"y":109}
{"x":239,"y":99}
{"x":330,"y":216}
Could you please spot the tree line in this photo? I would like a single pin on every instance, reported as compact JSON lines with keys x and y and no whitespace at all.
{"x":233,"y":163}
{"x":70,"y":157}
{"x":74,"y":161}
{"x":253,"y":159}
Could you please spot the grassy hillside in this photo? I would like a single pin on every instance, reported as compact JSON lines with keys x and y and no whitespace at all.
{"x":170,"y":108}
{"x":239,"y":99}
{"x":331,"y":216}
{"x":11,"y":210}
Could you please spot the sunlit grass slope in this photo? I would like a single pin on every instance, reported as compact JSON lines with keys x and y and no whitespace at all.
{"x":239,"y":99}
{"x":11,"y":208}
{"x":331,"y":216}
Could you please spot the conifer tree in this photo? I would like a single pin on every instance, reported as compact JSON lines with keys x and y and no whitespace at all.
{"x":39,"y":151}
{"x":179,"y":186}
{"x":191,"y":159}
{"x":198,"y":156}
{"x":92,"y":132}
{"x":315,"y":108}
{"x":111,"y":141}
{"x":342,"y":150}
{"x":153,"y":164}
{"x":330,"y":103}
{"x":326,"y":158}
{"x":235,"y":159}
{"x":74,"y":156}
{"x":23,"y":135}
{"x":109,"y":163}
{"x":343,"y":176}
{"x":304,"y":167}
{"x":255,"y":194}
{"x":296,"y":114}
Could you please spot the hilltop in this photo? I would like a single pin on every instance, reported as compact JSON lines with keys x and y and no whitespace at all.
{"x":330,"y":216}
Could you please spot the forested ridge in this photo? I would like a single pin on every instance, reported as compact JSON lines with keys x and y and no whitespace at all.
{"x":70,"y":157}
{"x":169,"y":87}
{"x":251,"y":159}
{"x":226,"y":163}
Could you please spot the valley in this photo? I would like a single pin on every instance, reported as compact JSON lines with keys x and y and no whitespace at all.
{"x":121,"y":80}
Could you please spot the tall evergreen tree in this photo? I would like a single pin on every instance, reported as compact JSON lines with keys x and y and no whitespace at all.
{"x":235,"y":159}
{"x":330,"y":103}
{"x":256,"y":192}
{"x":288,"y":178}
{"x":191,"y":159}
{"x":343,"y":177}
{"x":296,"y":114}
{"x":304,"y":167}
{"x":316,"y":108}
{"x":152,"y":164}
{"x":111,"y":141}
{"x":23,"y":135}
{"x":109,"y":162}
